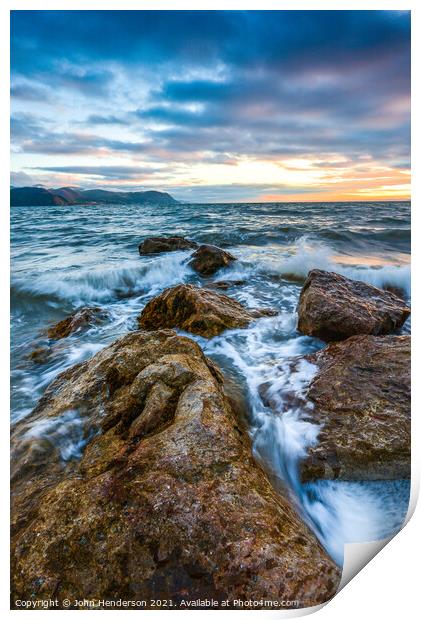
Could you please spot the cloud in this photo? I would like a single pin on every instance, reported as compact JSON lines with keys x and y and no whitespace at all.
{"x":199,"y":38}
{"x":27,"y":92}
{"x":110,"y":119}
{"x":30,"y":136}
{"x":20,"y":179}
{"x":26,"y":126}
{"x":105,"y":172}
{"x":93,"y":83}
{"x":209,"y":87}
{"x":234,"y":193}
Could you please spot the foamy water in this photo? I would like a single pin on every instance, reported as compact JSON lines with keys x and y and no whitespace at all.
{"x":64,"y":258}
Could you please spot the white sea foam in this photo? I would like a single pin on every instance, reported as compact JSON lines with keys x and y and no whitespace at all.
{"x":346,"y":512}
{"x":296,"y":262}
{"x":317,"y":255}
{"x":66,"y":432}
{"x":105,"y":283}
{"x":30,"y":385}
{"x":268,"y":355}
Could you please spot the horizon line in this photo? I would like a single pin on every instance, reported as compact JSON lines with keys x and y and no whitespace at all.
{"x":186,"y":201}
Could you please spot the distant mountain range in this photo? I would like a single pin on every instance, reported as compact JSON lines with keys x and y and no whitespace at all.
{"x":40,"y":196}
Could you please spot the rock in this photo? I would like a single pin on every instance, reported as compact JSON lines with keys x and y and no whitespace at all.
{"x":396,"y":290}
{"x":82,"y":318}
{"x":361,"y":395}
{"x":155,"y":245}
{"x":166,"y":502}
{"x":40,"y":355}
{"x":332,"y":307}
{"x":197,"y":310}
{"x":208,"y":259}
{"x":223,"y":285}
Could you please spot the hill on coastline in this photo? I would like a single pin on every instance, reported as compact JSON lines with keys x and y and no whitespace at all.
{"x":40,"y":196}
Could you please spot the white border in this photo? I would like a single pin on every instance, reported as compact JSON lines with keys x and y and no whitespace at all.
{"x":388,"y":585}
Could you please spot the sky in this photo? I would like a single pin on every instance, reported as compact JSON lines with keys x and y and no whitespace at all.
{"x":214,"y":106}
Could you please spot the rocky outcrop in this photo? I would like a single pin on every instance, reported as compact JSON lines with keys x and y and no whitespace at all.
{"x":208,"y":259}
{"x":359,"y":397}
{"x":81,"y":319}
{"x":332,"y":307}
{"x":155,"y":245}
{"x":362,"y":400}
{"x":198,"y":311}
{"x":166,"y":502}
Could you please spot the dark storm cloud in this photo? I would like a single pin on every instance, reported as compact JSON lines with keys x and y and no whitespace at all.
{"x":242,"y":38}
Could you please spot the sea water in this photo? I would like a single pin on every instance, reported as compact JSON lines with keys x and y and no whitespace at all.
{"x":64,"y":258}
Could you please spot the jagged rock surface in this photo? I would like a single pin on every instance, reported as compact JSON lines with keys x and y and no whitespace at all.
{"x":332,"y":307}
{"x":198,"y":311}
{"x":155,"y":245}
{"x":81,"y":319}
{"x":208,"y":259}
{"x":166,"y":502}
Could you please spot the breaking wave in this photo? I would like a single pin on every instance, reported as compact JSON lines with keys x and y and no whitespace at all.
{"x":310,"y":254}
{"x":103,"y":284}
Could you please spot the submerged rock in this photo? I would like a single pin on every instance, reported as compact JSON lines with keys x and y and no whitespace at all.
{"x":208,"y":259}
{"x":332,"y":307}
{"x":155,"y":245}
{"x":82,"y":318}
{"x":198,"y":311}
{"x":166,"y":502}
{"x":223,"y":285}
{"x":362,"y":400}
{"x":40,"y":355}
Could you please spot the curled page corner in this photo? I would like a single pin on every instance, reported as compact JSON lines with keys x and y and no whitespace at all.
{"x":358,"y":555}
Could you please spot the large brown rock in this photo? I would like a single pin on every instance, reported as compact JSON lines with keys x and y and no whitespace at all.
{"x":332,"y":307}
{"x":166,"y":502}
{"x":81,"y":319}
{"x":155,"y":245}
{"x":359,"y":397}
{"x":208,"y":259}
{"x":197,"y":310}
{"x":362,"y":400}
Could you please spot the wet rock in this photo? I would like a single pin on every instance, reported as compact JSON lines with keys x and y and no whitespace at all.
{"x":208,"y":259}
{"x":40,"y":355}
{"x":396,"y":290}
{"x":198,"y":311}
{"x":166,"y":502}
{"x":361,"y":396}
{"x":81,"y":319}
{"x":155,"y":245}
{"x":224,"y":285}
{"x":332,"y":307}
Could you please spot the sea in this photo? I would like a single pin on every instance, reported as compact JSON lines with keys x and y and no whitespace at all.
{"x":64,"y":258}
